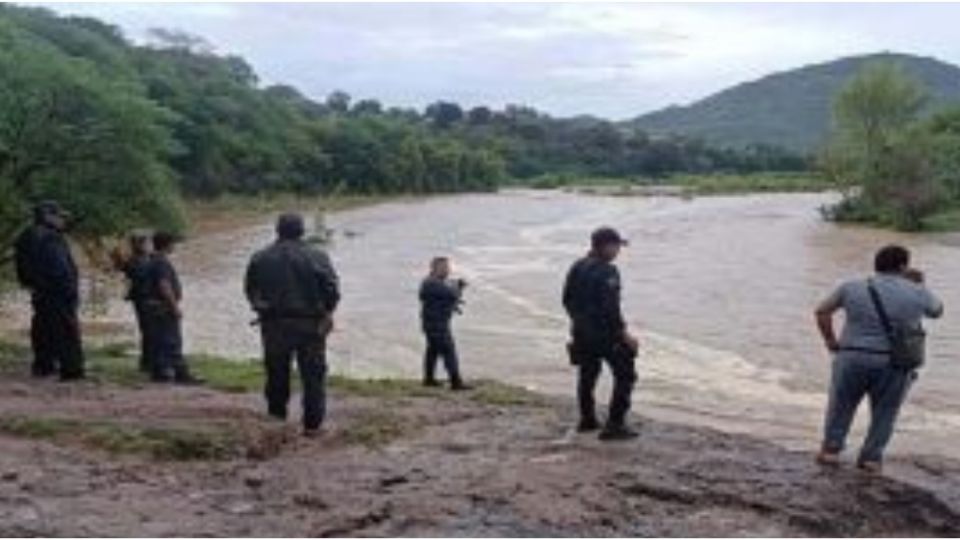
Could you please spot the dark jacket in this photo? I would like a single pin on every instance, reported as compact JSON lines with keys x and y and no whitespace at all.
{"x":291,"y":279}
{"x":439,"y":300}
{"x":160,"y":269}
{"x":44,"y":257}
{"x":591,"y":296}
{"x":137,"y":271}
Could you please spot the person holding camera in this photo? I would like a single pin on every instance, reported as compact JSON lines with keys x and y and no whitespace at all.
{"x":877,"y":354}
{"x":440,"y":298}
{"x":591,"y":296}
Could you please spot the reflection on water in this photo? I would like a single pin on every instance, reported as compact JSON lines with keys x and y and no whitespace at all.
{"x":722,"y":289}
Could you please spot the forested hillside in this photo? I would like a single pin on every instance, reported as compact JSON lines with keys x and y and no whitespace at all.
{"x":792,"y":109}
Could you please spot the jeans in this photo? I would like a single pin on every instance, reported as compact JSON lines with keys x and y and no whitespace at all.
{"x":856,"y":375}
{"x":143,"y":325}
{"x":441,"y":345}
{"x":622,"y":365}
{"x":165,"y":345}
{"x":284,"y":340}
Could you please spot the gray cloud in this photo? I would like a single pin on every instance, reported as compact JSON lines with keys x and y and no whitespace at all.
{"x":614,"y":60}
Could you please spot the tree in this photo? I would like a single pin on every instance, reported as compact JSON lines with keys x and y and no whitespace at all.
{"x":871,"y":110}
{"x":479,"y":116}
{"x":887,"y":160}
{"x":367,"y":107}
{"x":444,"y":114}
{"x":338,"y":101}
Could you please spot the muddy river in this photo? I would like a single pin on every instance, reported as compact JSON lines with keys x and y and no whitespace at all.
{"x":721,"y":290}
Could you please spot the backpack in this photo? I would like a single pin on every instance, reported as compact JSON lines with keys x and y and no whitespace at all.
{"x":907,"y":345}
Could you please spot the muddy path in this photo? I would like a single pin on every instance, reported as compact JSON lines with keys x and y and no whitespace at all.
{"x":410,"y":463}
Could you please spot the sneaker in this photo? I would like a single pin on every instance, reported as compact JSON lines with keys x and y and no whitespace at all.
{"x":618,"y":433}
{"x":460,"y":387}
{"x":829,"y":459}
{"x":72,"y":377}
{"x":870,"y":467}
{"x":587,"y":426}
{"x":431,"y":383}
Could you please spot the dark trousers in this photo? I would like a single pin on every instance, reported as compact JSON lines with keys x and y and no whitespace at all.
{"x":440,"y":344}
{"x":55,"y":337}
{"x":590,"y":362}
{"x":855,"y":376}
{"x":284,"y":340}
{"x":164,"y":341}
{"x":143,"y":326}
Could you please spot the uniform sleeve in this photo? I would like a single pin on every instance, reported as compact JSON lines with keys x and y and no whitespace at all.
{"x":328,"y":280}
{"x":250,"y":287}
{"x":833,"y":302}
{"x":57,"y":270}
{"x":610,"y":299}
{"x":568,"y":291}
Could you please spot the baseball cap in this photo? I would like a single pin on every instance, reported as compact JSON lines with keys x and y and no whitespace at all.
{"x":605,"y":236}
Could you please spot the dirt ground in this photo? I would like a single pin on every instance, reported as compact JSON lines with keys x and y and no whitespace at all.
{"x":105,"y":459}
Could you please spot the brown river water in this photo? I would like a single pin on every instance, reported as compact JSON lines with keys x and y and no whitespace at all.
{"x":721,"y":290}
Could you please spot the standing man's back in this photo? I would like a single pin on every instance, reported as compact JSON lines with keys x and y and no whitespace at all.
{"x":863,"y":357}
{"x":295,"y":291}
{"x":591,"y":296}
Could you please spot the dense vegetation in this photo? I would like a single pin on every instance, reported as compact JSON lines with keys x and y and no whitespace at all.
{"x":897,"y":167}
{"x":792,"y":109}
{"x":118,"y":132}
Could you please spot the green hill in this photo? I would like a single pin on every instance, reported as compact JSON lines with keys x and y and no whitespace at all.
{"x":792,"y":108}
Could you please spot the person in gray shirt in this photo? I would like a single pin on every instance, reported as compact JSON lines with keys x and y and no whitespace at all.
{"x":861,"y":356}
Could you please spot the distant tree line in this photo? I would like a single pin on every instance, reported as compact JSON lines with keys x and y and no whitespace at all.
{"x":119,"y":132}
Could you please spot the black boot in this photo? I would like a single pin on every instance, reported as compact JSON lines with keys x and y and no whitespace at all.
{"x":617,"y":432}
{"x":588,"y":425}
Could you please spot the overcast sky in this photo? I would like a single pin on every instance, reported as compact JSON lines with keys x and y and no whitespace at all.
{"x":611,"y":60}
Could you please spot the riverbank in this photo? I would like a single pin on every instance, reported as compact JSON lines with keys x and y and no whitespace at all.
{"x":686,"y":185}
{"x":118,"y":457}
{"x":223,"y":213}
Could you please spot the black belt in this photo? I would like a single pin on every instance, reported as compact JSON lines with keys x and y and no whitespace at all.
{"x":863,"y":350}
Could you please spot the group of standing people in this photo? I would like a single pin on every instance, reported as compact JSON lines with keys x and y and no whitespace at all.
{"x":294,"y":289}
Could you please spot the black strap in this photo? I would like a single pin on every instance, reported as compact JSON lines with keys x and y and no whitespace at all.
{"x":881,"y":311}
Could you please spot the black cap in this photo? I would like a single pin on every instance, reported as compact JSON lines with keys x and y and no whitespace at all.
{"x":605,"y":236}
{"x":290,"y":226}
{"x":47,"y":208}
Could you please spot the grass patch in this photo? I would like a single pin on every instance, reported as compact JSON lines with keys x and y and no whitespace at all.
{"x":173,"y":444}
{"x":720,"y":184}
{"x":375,"y":428}
{"x":229,"y":375}
{"x":944,"y":221}
{"x":384,"y":388}
{"x":117,"y":364}
{"x":499,"y":394}
{"x":13,"y":356}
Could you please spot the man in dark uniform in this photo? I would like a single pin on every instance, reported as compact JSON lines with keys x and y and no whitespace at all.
{"x":163,"y":316}
{"x":591,"y":296}
{"x":295,"y":291}
{"x":135,"y":268}
{"x":46,"y":267}
{"x":440,"y":298}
